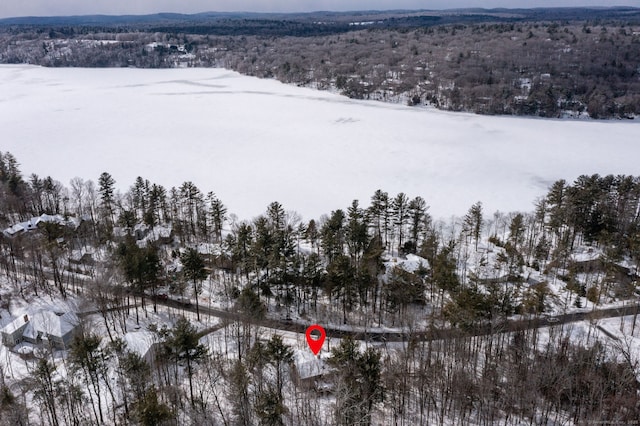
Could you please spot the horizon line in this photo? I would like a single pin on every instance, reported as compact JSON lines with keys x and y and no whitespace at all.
{"x":245,"y":12}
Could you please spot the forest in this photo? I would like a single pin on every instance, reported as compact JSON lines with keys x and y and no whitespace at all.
{"x":551,"y":63}
{"x":222,"y":298}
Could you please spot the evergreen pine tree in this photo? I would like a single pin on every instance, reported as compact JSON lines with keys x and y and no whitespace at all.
{"x":194,"y":271}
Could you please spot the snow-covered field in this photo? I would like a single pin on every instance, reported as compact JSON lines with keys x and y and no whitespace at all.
{"x":256,"y":141}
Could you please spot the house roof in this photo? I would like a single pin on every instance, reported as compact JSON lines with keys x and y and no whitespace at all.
{"x":15,"y":229}
{"x":77,"y":255}
{"x":34,"y":221}
{"x":14,"y":325}
{"x":309,"y":366}
{"x":161,"y":232}
{"x":48,"y":322}
{"x":139,"y":342}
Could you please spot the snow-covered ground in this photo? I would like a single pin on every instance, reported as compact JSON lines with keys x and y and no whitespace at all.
{"x":255,"y":141}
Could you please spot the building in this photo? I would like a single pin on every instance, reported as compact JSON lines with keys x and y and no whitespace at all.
{"x":143,"y":343}
{"x":312,"y":373}
{"x":44,"y":327}
{"x":12,"y":332}
{"x":34,"y":222}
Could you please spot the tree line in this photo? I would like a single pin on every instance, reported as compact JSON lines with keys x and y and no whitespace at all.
{"x":338,"y":268}
{"x":548,"y":68}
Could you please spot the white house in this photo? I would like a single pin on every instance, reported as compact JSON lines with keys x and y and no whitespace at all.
{"x":41,"y":328}
{"x":143,"y":343}
{"x":12,"y":332}
{"x":33,"y":223}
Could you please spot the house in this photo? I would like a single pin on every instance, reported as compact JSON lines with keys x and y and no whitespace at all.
{"x":44,"y":327}
{"x":143,"y":343}
{"x":33,"y":223}
{"x":312,"y":373}
{"x":163,"y":234}
{"x":143,"y":234}
{"x":12,"y":332}
{"x":84,"y":256}
{"x":159,"y":233}
{"x":20,"y":228}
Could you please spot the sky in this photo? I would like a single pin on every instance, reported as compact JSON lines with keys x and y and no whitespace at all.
{"x":15,"y":8}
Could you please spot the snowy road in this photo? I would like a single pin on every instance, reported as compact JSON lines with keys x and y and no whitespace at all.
{"x":376,"y":335}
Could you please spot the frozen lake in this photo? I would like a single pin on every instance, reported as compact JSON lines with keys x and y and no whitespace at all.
{"x":256,"y":141}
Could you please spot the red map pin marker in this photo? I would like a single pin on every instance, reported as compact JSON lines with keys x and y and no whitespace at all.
{"x":315,"y":344}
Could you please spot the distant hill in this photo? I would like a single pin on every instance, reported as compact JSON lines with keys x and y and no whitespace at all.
{"x":549,"y":62}
{"x":321,"y":22}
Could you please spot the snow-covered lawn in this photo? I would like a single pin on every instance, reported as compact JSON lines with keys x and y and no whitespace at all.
{"x":256,"y":141}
